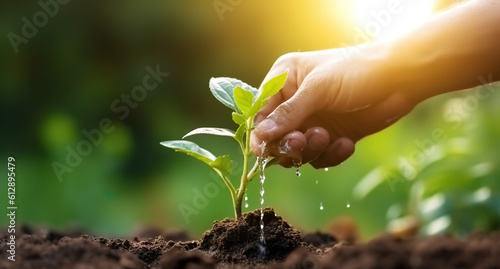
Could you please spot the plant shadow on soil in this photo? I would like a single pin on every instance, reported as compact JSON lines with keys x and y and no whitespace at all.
{"x":236,"y":244}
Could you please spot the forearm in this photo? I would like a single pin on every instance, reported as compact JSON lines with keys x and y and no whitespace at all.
{"x":451,"y":51}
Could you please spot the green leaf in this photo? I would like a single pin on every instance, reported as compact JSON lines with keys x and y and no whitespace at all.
{"x":273,"y":86}
{"x":243,"y":99}
{"x":267,"y":90}
{"x":210,"y":130}
{"x":222,"y":88}
{"x":224,"y":164}
{"x":238,"y":118}
{"x":190,"y":149}
{"x":240,"y":132}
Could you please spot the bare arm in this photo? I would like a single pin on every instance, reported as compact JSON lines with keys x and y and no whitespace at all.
{"x":329,"y":102}
{"x":448,"y":52}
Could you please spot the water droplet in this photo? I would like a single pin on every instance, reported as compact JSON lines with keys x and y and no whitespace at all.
{"x":285,"y":149}
{"x":262,"y":249}
{"x":262,"y":192}
{"x":316,"y":182}
{"x":326,"y":169}
{"x":348,"y":205}
{"x":246,"y":199}
{"x":320,"y":206}
{"x":297,"y":164}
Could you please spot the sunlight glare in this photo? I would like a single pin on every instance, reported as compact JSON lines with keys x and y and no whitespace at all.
{"x":385,"y":18}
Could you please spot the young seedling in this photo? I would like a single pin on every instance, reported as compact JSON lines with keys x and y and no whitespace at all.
{"x":245,"y":101}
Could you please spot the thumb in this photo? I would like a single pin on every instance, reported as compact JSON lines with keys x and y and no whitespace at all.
{"x":289,"y":115}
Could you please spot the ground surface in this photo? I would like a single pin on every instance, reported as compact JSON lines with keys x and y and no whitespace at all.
{"x":232,"y":244}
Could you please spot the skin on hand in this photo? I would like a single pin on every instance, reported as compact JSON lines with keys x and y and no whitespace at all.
{"x":327,"y":104}
{"x":330,"y":100}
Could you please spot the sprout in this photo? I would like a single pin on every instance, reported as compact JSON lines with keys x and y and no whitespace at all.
{"x":245,"y":101}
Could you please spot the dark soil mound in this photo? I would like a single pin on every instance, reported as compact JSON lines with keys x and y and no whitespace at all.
{"x":319,"y":240}
{"x":235,"y":244}
{"x":148,"y":251}
{"x":44,"y":252}
{"x":239,"y":241}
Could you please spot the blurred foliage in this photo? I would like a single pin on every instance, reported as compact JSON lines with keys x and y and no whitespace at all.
{"x":452,"y":175}
{"x":63,"y":82}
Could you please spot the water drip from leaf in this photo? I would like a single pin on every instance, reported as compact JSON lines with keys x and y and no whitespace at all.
{"x":246,"y":200}
{"x":326,"y":169}
{"x":321,"y":206}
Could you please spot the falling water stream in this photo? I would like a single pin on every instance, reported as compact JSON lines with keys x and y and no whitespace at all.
{"x":261,"y":161}
{"x":262,"y":165}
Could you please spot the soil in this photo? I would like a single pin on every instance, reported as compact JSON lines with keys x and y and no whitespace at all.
{"x":236,"y":244}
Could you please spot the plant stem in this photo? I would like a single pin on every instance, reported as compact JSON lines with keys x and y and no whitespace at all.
{"x":244,"y":174}
{"x":253,"y":171}
{"x":232,"y":191}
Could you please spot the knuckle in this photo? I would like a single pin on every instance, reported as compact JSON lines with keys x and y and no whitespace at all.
{"x":289,"y":107}
{"x":287,"y":59}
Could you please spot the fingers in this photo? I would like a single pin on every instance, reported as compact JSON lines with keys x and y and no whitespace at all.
{"x":295,"y":147}
{"x":288,"y":150}
{"x":289,"y":88}
{"x":335,"y":153}
{"x":289,"y":115}
{"x":317,"y":140}
{"x":372,"y":119}
{"x":274,"y":102}
{"x":256,"y":144}
{"x":385,"y":113}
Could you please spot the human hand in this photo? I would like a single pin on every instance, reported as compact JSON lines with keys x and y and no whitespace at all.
{"x":328,"y":103}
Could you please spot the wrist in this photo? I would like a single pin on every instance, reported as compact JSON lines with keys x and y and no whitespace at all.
{"x":385,"y":72}
{"x":407,"y":68}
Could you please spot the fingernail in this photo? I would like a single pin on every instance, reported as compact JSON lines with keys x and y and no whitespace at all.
{"x":267,"y":125}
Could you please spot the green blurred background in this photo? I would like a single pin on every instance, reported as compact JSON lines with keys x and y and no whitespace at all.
{"x":65,"y":78}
